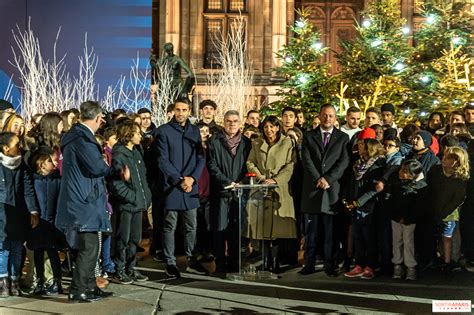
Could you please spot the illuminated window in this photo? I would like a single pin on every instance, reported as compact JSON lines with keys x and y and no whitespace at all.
{"x":237,"y":6}
{"x":213,"y":31}
{"x":215,"y":6}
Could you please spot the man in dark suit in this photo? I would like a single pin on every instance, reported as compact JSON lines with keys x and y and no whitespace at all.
{"x":82,"y":201}
{"x":181,"y":161}
{"x":228,"y":153}
{"x":324,"y":157}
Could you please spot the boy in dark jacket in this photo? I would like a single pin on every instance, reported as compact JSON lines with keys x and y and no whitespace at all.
{"x":133,"y":197}
{"x":405,"y":197}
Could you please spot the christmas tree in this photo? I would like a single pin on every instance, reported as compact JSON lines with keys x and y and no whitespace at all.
{"x":308,"y":84}
{"x":374,"y":64}
{"x":443,"y":45}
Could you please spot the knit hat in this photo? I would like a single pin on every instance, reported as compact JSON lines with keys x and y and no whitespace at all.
{"x":426,"y":136}
{"x":387,"y":107}
{"x":4,"y":105}
{"x":366,"y":133}
{"x":390,"y":133}
{"x":207,"y":103}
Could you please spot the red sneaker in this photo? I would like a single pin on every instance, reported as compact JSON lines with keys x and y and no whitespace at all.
{"x":368,"y":273}
{"x":354,"y":273}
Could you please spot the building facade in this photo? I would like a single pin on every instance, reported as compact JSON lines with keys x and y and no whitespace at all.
{"x":190,"y":25}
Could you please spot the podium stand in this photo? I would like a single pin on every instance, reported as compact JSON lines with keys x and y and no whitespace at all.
{"x":250,"y":272}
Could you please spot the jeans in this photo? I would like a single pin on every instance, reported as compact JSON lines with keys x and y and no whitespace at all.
{"x":169,"y":228}
{"x":129,"y":232}
{"x":11,"y":256}
{"x":314,"y":222}
{"x":108,"y":264}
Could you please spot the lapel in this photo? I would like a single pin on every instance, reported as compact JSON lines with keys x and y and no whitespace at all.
{"x":318,"y":139}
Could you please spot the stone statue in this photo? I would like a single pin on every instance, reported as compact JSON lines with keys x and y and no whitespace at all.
{"x":177,"y":66}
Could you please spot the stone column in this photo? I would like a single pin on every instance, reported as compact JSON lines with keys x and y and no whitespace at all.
{"x":172,"y":23}
{"x":278,"y":29}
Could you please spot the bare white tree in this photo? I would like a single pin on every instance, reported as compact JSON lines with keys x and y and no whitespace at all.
{"x":7,"y":95}
{"x":231,"y":86}
{"x":139,"y":86}
{"x":85,"y":86}
{"x":164,"y":93}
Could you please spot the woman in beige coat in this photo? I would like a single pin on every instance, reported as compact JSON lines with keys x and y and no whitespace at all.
{"x":271,"y":214}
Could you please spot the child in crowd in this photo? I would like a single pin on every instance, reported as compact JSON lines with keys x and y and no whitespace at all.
{"x":133,"y":197}
{"x":108,"y":265}
{"x":404,"y":199}
{"x":202,"y":248}
{"x":448,"y":184}
{"x":46,"y":237}
{"x":367,"y":171}
{"x":18,"y":211}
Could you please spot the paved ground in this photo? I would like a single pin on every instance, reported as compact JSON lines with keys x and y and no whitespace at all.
{"x":290,"y":294}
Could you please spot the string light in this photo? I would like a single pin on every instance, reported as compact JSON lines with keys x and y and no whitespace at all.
{"x":399,"y":66}
{"x":303,"y":78}
{"x":406,"y":30}
{"x":425,"y":79}
{"x":300,"y":23}
{"x":376,"y":43}
{"x":366,"y":23}
{"x":288,"y":59}
{"x":431,"y":19}
{"x":317,"y":45}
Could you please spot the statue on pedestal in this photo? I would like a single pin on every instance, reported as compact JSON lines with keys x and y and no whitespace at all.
{"x":177,"y":65}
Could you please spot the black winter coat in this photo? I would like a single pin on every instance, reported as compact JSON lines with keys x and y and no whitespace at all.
{"x":363,"y":190}
{"x":17,"y":201}
{"x":133,"y":195}
{"x":223,"y":170}
{"x":406,"y":200}
{"x":46,"y":235}
{"x":446,"y":194}
{"x":428,"y":159}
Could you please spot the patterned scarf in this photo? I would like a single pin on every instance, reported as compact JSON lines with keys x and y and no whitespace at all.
{"x":361,"y":166}
{"x":233,"y":142}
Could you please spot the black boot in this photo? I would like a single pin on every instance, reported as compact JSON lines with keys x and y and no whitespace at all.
{"x":4,"y":291}
{"x":55,"y":287}
{"x":40,"y":288}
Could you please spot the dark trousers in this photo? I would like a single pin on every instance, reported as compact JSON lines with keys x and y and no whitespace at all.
{"x":53,"y":259}
{"x":203,"y":234}
{"x":383,"y":225}
{"x":365,"y":244}
{"x":158,"y":215}
{"x":313,"y":225}
{"x":128,"y":235}
{"x":467,"y":232}
{"x":83,"y":277}
{"x":231,"y":235}
{"x":425,"y":242}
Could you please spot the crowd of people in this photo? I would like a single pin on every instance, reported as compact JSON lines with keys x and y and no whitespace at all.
{"x":362,"y":198}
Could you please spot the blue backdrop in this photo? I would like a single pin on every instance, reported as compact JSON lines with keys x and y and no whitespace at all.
{"x":117,"y":30}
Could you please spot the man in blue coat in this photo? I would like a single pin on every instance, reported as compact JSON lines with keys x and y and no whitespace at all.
{"x":82,"y":200}
{"x":181,"y":161}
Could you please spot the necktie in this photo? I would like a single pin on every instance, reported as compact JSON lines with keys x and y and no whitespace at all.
{"x":326,"y":136}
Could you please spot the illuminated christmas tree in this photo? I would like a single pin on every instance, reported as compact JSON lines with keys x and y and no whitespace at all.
{"x":308,"y":84}
{"x":443,"y":46}
{"x":377,"y":59}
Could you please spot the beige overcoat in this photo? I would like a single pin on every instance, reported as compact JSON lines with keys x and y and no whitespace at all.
{"x":271,"y":214}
